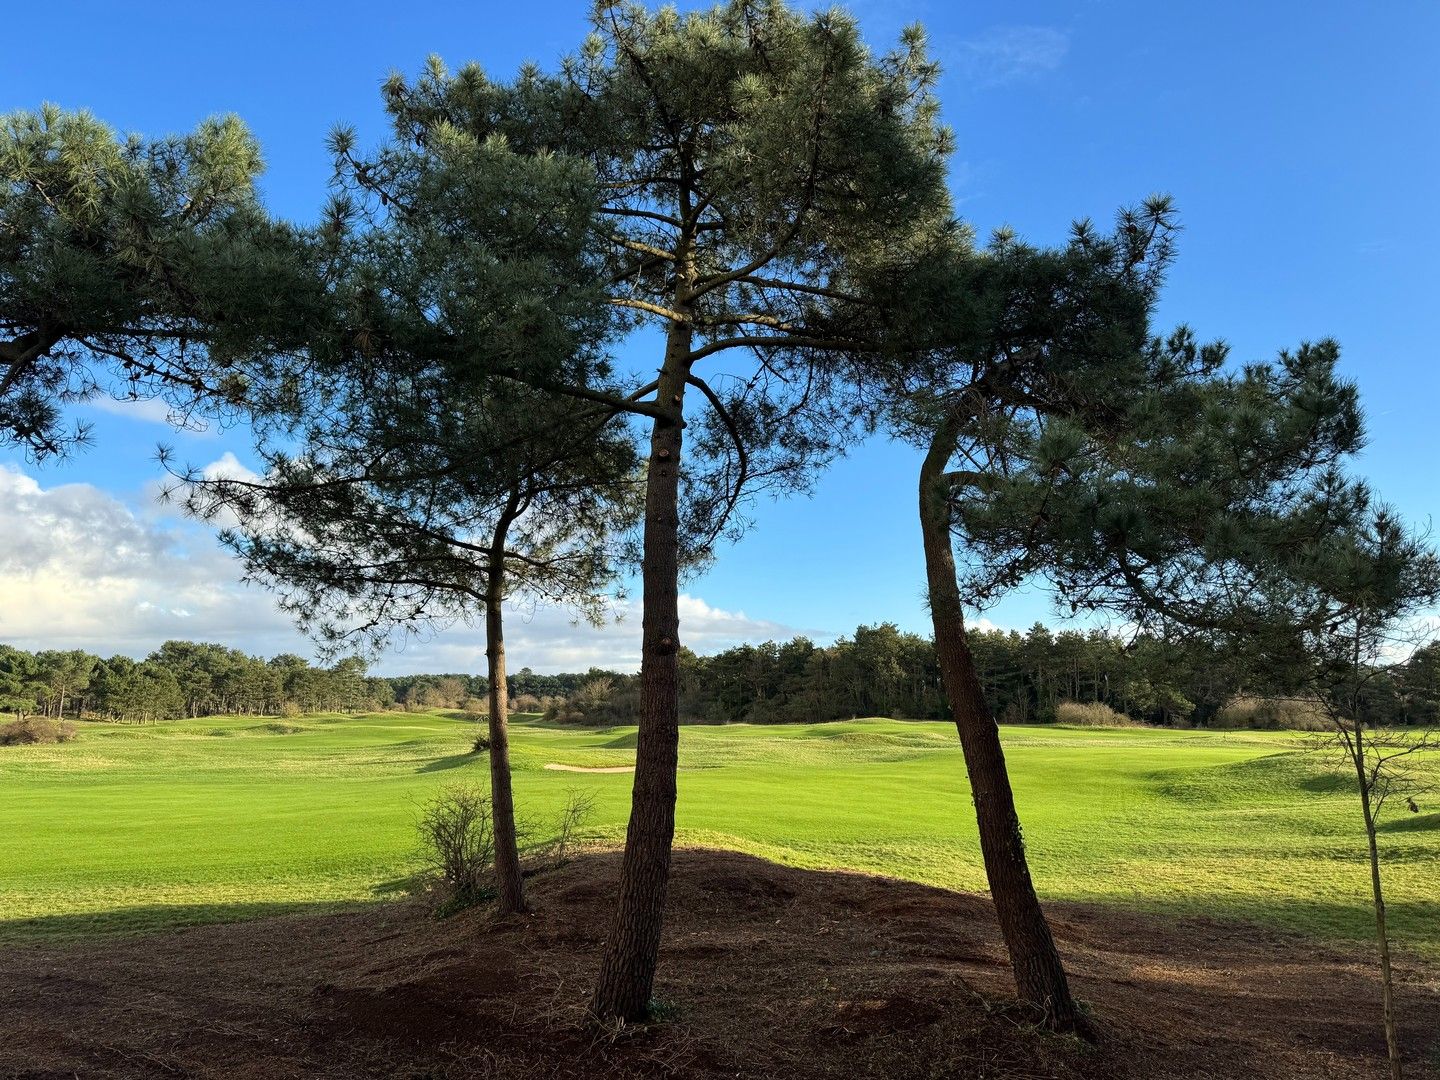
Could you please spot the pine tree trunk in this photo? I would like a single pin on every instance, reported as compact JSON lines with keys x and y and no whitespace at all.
{"x":627,"y":971}
{"x":1039,"y":975}
{"x":509,"y":881}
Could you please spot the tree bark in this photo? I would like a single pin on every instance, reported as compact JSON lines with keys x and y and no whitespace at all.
{"x":1039,"y":974}
{"x":509,"y":882}
{"x":627,"y":970}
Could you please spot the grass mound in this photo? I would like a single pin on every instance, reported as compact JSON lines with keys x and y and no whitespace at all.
{"x":279,"y":727}
{"x":767,"y":972}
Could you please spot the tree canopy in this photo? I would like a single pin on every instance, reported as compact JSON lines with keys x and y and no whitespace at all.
{"x":135,"y":267}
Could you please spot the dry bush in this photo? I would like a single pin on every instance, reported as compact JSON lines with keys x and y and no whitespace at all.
{"x":578,"y":809}
{"x":1271,"y":714}
{"x":1091,"y":714}
{"x":563,"y":714}
{"x":457,"y":839}
{"x":37,"y":729}
{"x":526,"y":703}
{"x":1013,"y":713}
{"x":597,"y":702}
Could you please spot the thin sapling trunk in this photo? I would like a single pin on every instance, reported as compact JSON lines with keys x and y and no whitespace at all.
{"x":509,"y":881}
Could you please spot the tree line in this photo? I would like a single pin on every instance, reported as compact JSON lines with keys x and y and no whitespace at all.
{"x":881,"y":670}
{"x":181,"y":679}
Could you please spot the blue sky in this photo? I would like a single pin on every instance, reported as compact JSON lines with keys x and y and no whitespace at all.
{"x":1301,"y":142}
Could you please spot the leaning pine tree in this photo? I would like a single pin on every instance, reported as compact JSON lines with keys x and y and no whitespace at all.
{"x":1135,"y":475}
{"x":756,"y":167}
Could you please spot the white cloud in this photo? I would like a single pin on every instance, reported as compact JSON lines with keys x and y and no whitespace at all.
{"x":81,"y":569}
{"x":1005,"y":54}
{"x":227,"y":465}
{"x":547,"y":638}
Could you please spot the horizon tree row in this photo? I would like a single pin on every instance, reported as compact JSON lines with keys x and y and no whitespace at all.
{"x":181,"y":680}
{"x":879,"y":670}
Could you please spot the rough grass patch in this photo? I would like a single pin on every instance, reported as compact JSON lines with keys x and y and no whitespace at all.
{"x":1272,"y":714}
{"x":35,"y":730}
{"x":1091,"y":714}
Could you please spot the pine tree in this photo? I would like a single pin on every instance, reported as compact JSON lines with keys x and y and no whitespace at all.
{"x":1134,"y":475}
{"x":405,"y":484}
{"x":133,"y":267}
{"x":759,"y":170}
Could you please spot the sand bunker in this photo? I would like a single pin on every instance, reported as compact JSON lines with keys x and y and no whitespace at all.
{"x":584,"y":768}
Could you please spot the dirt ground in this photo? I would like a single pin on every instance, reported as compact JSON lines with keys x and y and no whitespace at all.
{"x":767,"y":971}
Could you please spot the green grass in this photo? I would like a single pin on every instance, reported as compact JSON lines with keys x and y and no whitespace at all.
{"x":131,"y":829}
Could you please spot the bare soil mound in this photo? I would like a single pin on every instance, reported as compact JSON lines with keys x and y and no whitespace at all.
{"x":767,"y":971}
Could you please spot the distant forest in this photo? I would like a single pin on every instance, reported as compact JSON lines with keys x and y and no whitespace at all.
{"x":883,"y":671}
{"x":878,"y":671}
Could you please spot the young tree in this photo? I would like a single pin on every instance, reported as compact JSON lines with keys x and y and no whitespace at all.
{"x":757,"y":167}
{"x":406,"y":485}
{"x":1131,"y":473}
{"x":134,"y":267}
{"x":1372,"y":584}
{"x":362,"y":542}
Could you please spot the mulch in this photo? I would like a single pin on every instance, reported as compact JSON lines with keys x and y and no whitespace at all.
{"x":766,"y":971}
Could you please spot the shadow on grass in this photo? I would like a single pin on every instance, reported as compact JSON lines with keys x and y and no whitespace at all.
{"x":1327,"y":783}
{"x":1342,"y":925}
{"x":454,"y":761}
{"x":1411,"y":823}
{"x":400,"y":886}
{"x":158,"y":918}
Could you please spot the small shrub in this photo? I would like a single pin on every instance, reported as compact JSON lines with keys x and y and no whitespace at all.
{"x":37,"y":729}
{"x":578,"y":809}
{"x":289,"y":709}
{"x":457,"y":840}
{"x":1013,"y":713}
{"x":481,"y":745}
{"x":1091,"y":714}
